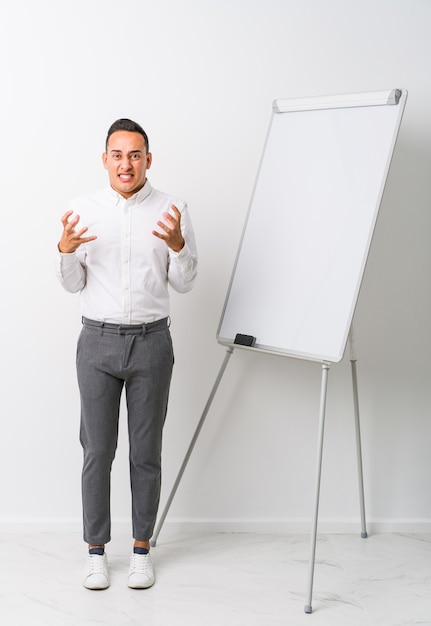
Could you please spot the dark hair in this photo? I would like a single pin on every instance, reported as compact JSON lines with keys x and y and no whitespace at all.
{"x":131,"y":127}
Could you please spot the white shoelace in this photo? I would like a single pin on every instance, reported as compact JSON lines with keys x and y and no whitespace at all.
{"x":96,"y":564}
{"x":140,"y":564}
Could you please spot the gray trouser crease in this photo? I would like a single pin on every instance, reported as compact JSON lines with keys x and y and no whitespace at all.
{"x":110,"y":358}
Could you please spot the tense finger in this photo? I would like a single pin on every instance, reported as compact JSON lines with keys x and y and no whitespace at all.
{"x":176,"y":211}
{"x":65,"y":218}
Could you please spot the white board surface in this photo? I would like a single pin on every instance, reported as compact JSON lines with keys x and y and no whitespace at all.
{"x":310,"y":223}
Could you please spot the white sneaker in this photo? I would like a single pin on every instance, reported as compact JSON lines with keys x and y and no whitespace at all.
{"x":96,"y":574}
{"x":141,"y":572}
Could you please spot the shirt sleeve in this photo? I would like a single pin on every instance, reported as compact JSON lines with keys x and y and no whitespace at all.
{"x":70,"y":271}
{"x":183,"y":265}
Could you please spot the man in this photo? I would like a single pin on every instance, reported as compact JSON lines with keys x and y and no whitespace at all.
{"x":120,"y":249}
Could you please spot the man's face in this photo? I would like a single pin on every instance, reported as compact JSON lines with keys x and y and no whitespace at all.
{"x":127,"y":161}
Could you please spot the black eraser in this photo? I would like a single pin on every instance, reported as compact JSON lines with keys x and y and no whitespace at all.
{"x":245,"y":340}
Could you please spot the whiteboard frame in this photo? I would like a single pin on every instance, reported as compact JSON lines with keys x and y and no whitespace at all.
{"x":394,"y":97}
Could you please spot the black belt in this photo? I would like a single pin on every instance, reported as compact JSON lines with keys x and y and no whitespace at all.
{"x":127,"y":329}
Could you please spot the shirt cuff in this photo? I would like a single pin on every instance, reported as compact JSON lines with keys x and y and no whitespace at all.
{"x":182,"y":254}
{"x":66,"y":258}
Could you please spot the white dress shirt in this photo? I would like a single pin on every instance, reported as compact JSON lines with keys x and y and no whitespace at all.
{"x":123,"y":275}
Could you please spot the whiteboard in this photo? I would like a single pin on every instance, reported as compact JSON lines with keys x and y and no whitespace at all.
{"x":308,"y":231}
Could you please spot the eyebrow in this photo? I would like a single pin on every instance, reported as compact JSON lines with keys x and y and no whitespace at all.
{"x":131,"y":151}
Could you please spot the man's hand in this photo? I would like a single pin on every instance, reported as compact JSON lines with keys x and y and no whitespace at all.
{"x":70,"y":238}
{"x":171,"y":228}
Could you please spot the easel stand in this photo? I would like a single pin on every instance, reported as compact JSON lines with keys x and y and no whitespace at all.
{"x":191,"y":446}
{"x":322,"y":411}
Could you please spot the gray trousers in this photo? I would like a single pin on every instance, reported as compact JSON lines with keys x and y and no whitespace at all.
{"x":140,"y":359}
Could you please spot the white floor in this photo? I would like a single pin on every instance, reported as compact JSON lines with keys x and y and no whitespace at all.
{"x":221,"y":580}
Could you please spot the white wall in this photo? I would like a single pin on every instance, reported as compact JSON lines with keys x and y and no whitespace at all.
{"x":201,"y":77}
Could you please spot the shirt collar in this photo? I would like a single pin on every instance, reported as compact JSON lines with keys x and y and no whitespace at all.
{"x":137,"y":197}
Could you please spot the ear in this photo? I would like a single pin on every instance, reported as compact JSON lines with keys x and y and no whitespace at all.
{"x":104,"y":158}
{"x":149,"y":160}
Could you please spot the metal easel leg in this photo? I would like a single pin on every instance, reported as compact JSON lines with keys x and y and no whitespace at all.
{"x":324,"y":386}
{"x":353,"y":361}
{"x":191,"y":446}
